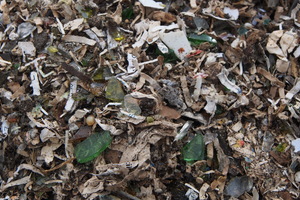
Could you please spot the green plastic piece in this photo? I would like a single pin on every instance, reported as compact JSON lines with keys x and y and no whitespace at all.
{"x":198,"y":39}
{"x":92,"y":146}
{"x":114,"y":90}
{"x":194,"y":150}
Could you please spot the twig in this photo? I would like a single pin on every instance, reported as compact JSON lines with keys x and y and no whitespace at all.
{"x":76,"y":73}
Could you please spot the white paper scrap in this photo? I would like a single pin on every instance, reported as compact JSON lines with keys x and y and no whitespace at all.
{"x":297,"y":52}
{"x":35,"y":83}
{"x":70,"y":102}
{"x":178,"y":42}
{"x":233,"y":13}
{"x":27,"y":48}
{"x":152,"y":4}
{"x":294,"y":90}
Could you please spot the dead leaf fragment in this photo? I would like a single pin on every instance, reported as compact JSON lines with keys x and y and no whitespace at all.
{"x":163,"y":17}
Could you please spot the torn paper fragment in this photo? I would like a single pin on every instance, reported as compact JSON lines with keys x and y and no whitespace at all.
{"x":132,"y":63}
{"x":297,"y":52}
{"x":227,"y":83}
{"x":46,"y":134}
{"x":273,"y":48}
{"x":288,"y":42}
{"x":75,"y":24}
{"x":79,"y":39}
{"x":152,"y":4}
{"x":233,"y":13}
{"x":35,"y":83}
{"x":70,"y":102}
{"x":27,"y":48}
{"x":178,"y":42}
{"x":296,"y":144}
{"x":282,"y":65}
{"x":294,"y":90}
{"x":210,"y":106}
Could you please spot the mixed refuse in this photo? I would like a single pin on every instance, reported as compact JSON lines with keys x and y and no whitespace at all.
{"x":144,"y":99}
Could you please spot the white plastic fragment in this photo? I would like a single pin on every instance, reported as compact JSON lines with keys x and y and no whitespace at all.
{"x":227,"y":83}
{"x":184,"y":130}
{"x":35,"y":83}
{"x":296,"y":144}
{"x":294,"y":90}
{"x":70,"y":101}
{"x":178,"y":42}
{"x":60,"y":26}
{"x":152,"y":4}
{"x":233,"y":13}
{"x":297,"y":177}
{"x":162,"y":47}
{"x":4,"y":129}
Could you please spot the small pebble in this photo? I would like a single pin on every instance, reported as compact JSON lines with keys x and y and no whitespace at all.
{"x":90,"y":120}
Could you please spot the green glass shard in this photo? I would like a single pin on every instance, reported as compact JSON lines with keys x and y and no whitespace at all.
{"x":92,"y":146}
{"x":198,"y":39}
{"x":194,"y":150}
{"x":242,"y":30}
{"x":127,"y":13}
{"x":114,"y":90}
{"x":101,"y":73}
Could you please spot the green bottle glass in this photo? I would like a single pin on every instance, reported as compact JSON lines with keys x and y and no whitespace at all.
{"x":194,"y":150}
{"x":114,"y":90}
{"x":92,"y":146}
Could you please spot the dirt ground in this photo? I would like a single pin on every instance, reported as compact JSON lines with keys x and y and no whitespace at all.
{"x":140,"y":99}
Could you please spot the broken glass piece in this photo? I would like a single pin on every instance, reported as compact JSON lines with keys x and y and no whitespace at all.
{"x":200,"y":23}
{"x":268,"y":141}
{"x":92,"y":146}
{"x":25,"y":29}
{"x":238,"y":186}
{"x":127,"y":13}
{"x":194,"y":150}
{"x":198,"y":39}
{"x":114,"y":90}
{"x":101,"y":74}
